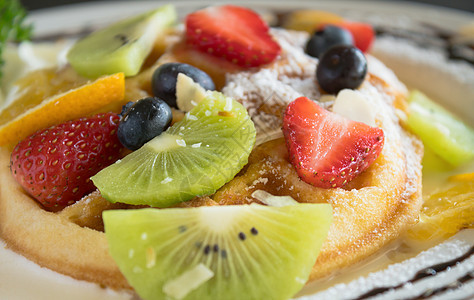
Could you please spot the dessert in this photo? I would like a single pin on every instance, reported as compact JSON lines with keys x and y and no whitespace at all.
{"x":353,"y":235}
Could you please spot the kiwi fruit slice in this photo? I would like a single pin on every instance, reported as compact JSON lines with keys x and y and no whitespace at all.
{"x":444,"y":133}
{"x":121,"y":47}
{"x":194,"y":157}
{"x":218,"y":252}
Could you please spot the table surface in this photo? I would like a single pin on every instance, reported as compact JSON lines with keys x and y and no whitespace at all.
{"x":465,"y":5}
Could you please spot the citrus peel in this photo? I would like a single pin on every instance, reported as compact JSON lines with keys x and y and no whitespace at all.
{"x":70,"y":105}
{"x":447,"y":210}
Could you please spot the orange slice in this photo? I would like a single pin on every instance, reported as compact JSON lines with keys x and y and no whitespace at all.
{"x":447,"y":210}
{"x":310,"y":20}
{"x":25,"y":117}
{"x":38,"y":85}
{"x":462,"y":177}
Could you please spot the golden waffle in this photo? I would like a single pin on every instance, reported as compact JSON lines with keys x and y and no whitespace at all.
{"x":370,"y":211}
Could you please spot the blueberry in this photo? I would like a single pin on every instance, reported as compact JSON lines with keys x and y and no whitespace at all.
{"x":126,"y":108}
{"x":341,"y":67}
{"x":326,"y":38}
{"x":165,"y":76}
{"x":144,"y":120}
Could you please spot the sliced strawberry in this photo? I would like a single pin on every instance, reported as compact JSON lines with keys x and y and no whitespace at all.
{"x":362,"y":33}
{"x":327,"y":149}
{"x":234,"y":33}
{"x":54,"y":165}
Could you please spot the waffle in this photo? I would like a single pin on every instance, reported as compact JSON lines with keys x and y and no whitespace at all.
{"x":370,"y":211}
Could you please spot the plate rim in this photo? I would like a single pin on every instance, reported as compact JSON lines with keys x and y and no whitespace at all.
{"x":51,"y":15}
{"x":421,"y":11}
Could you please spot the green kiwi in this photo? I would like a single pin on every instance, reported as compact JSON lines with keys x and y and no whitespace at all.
{"x":445,"y":134}
{"x":121,"y":47}
{"x":194,"y":157}
{"x":218,"y":252}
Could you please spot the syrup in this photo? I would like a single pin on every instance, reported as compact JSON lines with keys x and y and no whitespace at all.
{"x":400,"y":250}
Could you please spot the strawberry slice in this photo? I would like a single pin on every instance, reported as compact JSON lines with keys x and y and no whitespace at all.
{"x":362,"y":33}
{"x":54,"y":165}
{"x":234,"y":33}
{"x":327,"y":149}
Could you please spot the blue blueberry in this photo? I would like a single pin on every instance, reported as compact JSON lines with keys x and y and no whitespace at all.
{"x":326,"y":38}
{"x":142,"y":121}
{"x":341,"y":67}
{"x":165,"y":77}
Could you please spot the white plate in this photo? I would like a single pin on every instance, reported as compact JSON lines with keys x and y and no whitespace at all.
{"x":21,"y":279}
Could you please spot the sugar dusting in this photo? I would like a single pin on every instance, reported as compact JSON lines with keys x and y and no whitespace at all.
{"x":266,"y":92}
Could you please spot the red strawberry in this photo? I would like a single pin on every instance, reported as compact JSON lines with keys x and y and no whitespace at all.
{"x":234,"y":33}
{"x":327,"y":149}
{"x":362,"y":33}
{"x":54,"y":165}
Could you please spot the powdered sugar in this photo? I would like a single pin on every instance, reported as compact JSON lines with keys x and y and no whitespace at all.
{"x":266,"y":92}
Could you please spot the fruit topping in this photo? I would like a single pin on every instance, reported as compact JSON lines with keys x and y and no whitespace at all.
{"x":362,"y":33}
{"x":23,"y":118}
{"x":165,"y":78}
{"x":328,"y":150}
{"x":447,"y":135}
{"x":447,"y":210}
{"x":188,"y":93}
{"x":238,"y":252}
{"x":144,"y":120}
{"x":271,"y":200}
{"x":195,"y":156}
{"x":126,"y":108}
{"x":121,"y":47}
{"x":310,"y":20}
{"x":179,"y":287}
{"x":217,"y":68}
{"x":326,"y":38}
{"x":354,"y":105}
{"x":54,"y":165}
{"x":341,"y":67}
{"x":234,"y":33}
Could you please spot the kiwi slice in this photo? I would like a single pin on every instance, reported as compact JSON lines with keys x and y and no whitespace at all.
{"x":194,"y":157}
{"x":121,"y":47}
{"x":218,"y":252}
{"x":444,"y":133}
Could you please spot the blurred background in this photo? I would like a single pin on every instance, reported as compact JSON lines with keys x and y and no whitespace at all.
{"x":465,"y":5}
